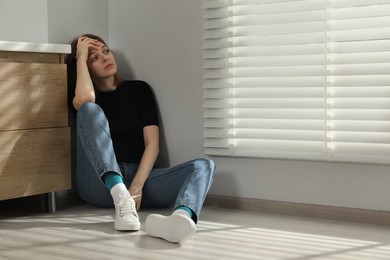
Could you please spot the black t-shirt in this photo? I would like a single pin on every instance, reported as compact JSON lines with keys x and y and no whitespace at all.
{"x":129,"y":109}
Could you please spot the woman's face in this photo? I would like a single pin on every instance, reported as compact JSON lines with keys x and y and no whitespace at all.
{"x":101,"y":62}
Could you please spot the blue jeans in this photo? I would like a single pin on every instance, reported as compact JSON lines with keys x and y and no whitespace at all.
{"x":184,"y":184}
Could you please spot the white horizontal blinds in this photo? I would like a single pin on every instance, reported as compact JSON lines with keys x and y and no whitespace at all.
{"x":272,"y":103}
{"x":278,"y":78}
{"x":216,"y":77}
{"x":298,"y":79}
{"x":360,"y":93}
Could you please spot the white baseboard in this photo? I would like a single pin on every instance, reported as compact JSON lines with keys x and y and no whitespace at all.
{"x":300,"y":209}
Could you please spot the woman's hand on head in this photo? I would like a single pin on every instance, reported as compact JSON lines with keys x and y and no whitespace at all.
{"x":84,"y":44}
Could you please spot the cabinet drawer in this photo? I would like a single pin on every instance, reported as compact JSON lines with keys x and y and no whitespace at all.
{"x":34,"y":162}
{"x":33,"y":95}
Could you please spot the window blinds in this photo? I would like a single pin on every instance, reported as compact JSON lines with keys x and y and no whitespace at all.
{"x":297,"y":79}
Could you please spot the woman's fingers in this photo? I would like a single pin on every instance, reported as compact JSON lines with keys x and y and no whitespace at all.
{"x":91,"y":43}
{"x":84,"y":44}
{"x":137,"y":200}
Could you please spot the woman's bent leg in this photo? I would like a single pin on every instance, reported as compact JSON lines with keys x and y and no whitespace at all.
{"x":89,"y":186}
{"x":95,"y":155}
{"x":186,"y":185}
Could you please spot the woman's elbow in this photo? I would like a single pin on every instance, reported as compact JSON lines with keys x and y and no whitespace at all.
{"x":79,"y":101}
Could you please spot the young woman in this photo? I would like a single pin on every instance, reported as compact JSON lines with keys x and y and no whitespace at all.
{"x":118,"y":144}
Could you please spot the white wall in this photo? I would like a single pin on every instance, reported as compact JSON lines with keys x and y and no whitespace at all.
{"x":160,"y":42}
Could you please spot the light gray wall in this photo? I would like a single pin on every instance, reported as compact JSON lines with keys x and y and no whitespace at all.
{"x":160,"y":42}
{"x":52,"y":21}
{"x":332,"y":184}
{"x":71,"y":18}
{"x":23,"y":20}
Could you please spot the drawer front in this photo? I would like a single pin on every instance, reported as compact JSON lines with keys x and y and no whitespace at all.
{"x":34,"y":162}
{"x":33,"y":95}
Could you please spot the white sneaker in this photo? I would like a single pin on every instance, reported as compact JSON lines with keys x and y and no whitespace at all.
{"x":126,"y":217}
{"x":174,"y":228}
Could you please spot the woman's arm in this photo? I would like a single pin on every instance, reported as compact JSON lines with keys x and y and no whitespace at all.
{"x":84,"y":87}
{"x":149,"y":157}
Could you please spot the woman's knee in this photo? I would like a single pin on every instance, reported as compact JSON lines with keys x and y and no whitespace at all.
{"x":90,"y":113}
{"x":87,"y":109}
{"x":88,"y":106}
{"x":207,"y":165}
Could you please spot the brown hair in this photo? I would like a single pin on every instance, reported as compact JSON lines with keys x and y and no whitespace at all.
{"x":70,"y":61}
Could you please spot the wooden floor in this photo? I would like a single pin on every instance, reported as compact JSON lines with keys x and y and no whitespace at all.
{"x":85,"y":232}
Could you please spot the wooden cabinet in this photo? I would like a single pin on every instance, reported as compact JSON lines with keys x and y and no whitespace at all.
{"x":34,"y":130}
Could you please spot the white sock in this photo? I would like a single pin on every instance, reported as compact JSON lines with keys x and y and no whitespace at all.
{"x":118,"y":192}
{"x":181,"y":212}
